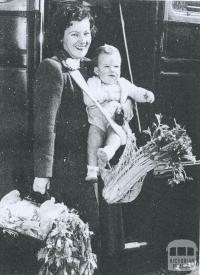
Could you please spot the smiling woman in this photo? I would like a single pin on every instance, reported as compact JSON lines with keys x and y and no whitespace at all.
{"x":61,"y":130}
{"x":60,"y":120}
{"x":77,"y":39}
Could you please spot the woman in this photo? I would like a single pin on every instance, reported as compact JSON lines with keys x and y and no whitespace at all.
{"x":60,"y":119}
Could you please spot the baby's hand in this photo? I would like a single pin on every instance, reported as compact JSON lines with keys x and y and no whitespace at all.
{"x":149,"y":96}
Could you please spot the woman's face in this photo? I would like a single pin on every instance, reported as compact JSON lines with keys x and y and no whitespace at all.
{"x":77,"y":38}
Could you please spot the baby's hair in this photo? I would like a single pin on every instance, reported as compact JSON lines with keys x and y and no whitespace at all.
{"x":105,"y":49}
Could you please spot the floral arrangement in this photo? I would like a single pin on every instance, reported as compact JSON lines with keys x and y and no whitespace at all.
{"x":65,"y":238}
{"x":171,"y":148}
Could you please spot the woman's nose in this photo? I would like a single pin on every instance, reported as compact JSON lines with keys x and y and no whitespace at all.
{"x":82,"y":38}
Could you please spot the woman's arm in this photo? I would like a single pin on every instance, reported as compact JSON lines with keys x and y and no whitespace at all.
{"x":47,"y":98}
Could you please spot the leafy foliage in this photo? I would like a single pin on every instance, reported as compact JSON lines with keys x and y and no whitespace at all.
{"x":170,"y":147}
{"x":68,"y":247}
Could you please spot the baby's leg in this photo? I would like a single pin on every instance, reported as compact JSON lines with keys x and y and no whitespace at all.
{"x":96,"y":137}
{"x":112,"y":144}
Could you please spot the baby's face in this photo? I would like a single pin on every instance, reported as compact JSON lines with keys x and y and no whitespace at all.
{"x":109,"y":68}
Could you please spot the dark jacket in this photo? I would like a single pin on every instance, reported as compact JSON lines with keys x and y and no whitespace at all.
{"x":60,"y":137}
{"x":58,"y":107}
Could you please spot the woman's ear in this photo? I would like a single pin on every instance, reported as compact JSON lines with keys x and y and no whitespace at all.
{"x":96,"y":70}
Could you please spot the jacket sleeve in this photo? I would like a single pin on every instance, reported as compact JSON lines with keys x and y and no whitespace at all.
{"x":47,"y":97}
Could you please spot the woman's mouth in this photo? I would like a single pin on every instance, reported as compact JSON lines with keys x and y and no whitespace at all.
{"x":81,"y":48}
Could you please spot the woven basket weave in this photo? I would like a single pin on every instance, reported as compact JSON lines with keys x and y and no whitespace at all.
{"x":123,"y":182}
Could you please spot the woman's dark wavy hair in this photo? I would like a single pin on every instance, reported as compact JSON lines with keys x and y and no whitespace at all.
{"x":62,"y":18}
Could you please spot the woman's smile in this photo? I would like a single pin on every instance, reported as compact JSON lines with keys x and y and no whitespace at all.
{"x":81,"y":47}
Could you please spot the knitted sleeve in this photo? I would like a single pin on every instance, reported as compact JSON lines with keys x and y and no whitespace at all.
{"x":47,"y":97}
{"x":138,"y":94}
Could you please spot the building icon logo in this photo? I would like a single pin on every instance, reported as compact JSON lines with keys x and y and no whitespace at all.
{"x":182,"y":255}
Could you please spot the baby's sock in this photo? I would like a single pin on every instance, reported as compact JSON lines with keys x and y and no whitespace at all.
{"x":92,"y":173}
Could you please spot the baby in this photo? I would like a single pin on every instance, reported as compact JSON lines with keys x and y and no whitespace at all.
{"x":111,"y":91}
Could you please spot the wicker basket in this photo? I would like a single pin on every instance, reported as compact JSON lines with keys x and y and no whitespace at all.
{"x":123,"y":182}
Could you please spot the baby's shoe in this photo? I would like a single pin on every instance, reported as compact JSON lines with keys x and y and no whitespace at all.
{"x":92,"y":173}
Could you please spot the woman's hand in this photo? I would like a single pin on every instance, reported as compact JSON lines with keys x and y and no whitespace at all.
{"x":127,"y":107}
{"x":41,"y":185}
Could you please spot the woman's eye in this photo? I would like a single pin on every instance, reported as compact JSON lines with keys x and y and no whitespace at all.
{"x":87,"y":33}
{"x":75,"y":34}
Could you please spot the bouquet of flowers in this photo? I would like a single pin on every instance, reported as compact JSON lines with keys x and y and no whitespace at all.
{"x":65,"y":238}
{"x":167,"y":148}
